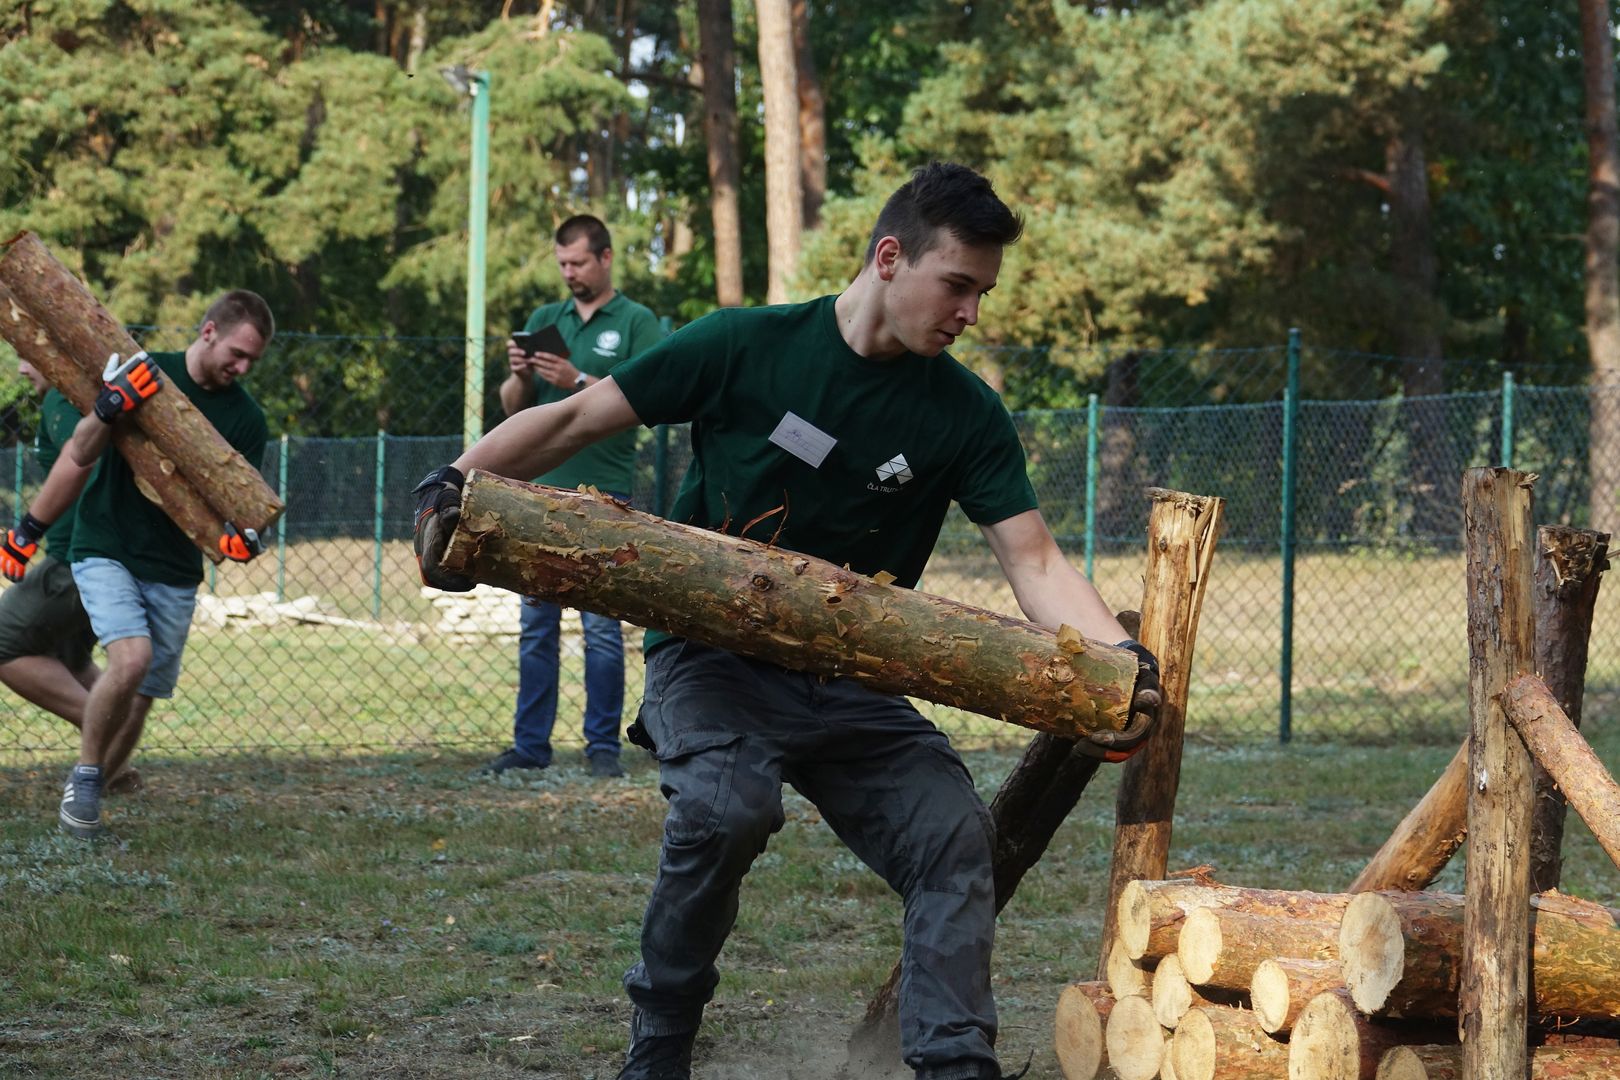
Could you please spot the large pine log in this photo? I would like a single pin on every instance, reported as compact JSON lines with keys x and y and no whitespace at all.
{"x":1135,"y":1040}
{"x":1222,"y":1043}
{"x":1557,"y":747}
{"x":1569,"y":568}
{"x":1151,"y":913}
{"x":1402,"y":954}
{"x":1332,"y":1040}
{"x":155,"y":474}
{"x":1282,"y":986}
{"x":1441,"y":1062}
{"x":1426,"y":838}
{"x":784,"y":608}
{"x":1182,"y":533}
{"x":1493,"y":995}
{"x":1222,"y":947}
{"x":1082,"y":1010}
{"x":86,"y":332}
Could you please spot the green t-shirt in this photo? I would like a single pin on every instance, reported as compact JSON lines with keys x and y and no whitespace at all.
{"x":117,"y":522}
{"x":860,"y":458}
{"x":618,"y":330}
{"x":57,"y":419}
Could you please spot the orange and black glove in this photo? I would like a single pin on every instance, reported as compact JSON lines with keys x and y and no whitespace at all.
{"x":19,"y":546}
{"x":438,"y":510}
{"x":125,"y":384}
{"x":240,"y":545}
{"x":1116,"y":746}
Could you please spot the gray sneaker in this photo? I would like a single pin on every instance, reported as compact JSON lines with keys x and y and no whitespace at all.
{"x":80,"y":812}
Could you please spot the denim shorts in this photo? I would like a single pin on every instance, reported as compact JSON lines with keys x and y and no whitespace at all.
{"x":121,"y":606}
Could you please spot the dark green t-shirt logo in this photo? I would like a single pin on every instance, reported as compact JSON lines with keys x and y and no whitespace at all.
{"x":607,"y":343}
{"x":895,"y":469}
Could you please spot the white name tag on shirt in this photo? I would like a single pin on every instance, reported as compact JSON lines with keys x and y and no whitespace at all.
{"x":803,"y":440}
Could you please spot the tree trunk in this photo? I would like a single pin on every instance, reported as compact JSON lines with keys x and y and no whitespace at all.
{"x":1172,"y":995}
{"x":84,"y":330}
{"x":1117,"y":459}
{"x":1546,"y":1063}
{"x":1558,"y":748}
{"x":1499,"y":537}
{"x":785,"y":608}
{"x":1426,"y":838}
{"x":1182,"y":531}
{"x":155,"y":474}
{"x":784,"y":195}
{"x":1134,"y":1040}
{"x":716,"y":38}
{"x":1082,"y":1010}
{"x":1602,"y":261}
{"x":1222,"y":947}
{"x":1152,"y":913}
{"x":812,"y":119}
{"x":1402,"y":955}
{"x":1213,"y":1043}
{"x":1569,"y":569}
{"x":1283,"y":985}
{"x":1332,"y":1040}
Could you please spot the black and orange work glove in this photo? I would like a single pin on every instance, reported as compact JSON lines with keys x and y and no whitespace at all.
{"x":240,"y":545}
{"x":19,"y":546}
{"x":438,"y":510}
{"x":125,"y":384}
{"x":1116,"y":746}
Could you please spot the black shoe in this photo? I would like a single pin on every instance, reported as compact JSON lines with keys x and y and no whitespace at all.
{"x":605,"y":764}
{"x":657,"y":1057}
{"x":511,"y":759}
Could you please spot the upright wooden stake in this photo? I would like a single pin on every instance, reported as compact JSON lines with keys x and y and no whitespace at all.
{"x":1493,"y":1003}
{"x":1569,"y":569}
{"x":1182,"y":530}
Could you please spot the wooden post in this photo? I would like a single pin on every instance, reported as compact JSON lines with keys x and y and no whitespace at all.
{"x":1569,"y":568}
{"x":1182,"y":530}
{"x":1567,"y":759}
{"x":1426,"y":838}
{"x":84,"y":330}
{"x":1493,"y":1004}
{"x":155,"y":474}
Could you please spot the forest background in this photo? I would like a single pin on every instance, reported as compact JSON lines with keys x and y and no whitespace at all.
{"x":1407,"y":179}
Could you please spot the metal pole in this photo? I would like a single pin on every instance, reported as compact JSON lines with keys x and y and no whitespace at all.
{"x":1093,"y":418}
{"x":1507,"y":419}
{"x":1285,"y":667}
{"x":377,"y":530}
{"x":472,"y":404}
{"x":281,"y":526}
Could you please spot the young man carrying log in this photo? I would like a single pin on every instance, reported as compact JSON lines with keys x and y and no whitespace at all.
{"x":841,"y":429}
{"x":136,"y":569}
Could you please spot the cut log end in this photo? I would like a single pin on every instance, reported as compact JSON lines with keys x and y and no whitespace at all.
{"x":1281,"y":986}
{"x":1078,"y":1037}
{"x":1192,"y":1047}
{"x":1401,"y":1063}
{"x":1199,"y":946}
{"x":1126,"y":977}
{"x":1134,"y":920}
{"x":1324,"y":1044}
{"x":1134,"y":1040}
{"x":1372,"y":949}
{"x":1172,"y":994}
{"x":1269,"y":994}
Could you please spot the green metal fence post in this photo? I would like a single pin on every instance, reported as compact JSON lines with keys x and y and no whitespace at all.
{"x":1507,"y":419}
{"x":1093,"y":418}
{"x":377,"y":530}
{"x":1285,"y":666}
{"x":281,"y":526}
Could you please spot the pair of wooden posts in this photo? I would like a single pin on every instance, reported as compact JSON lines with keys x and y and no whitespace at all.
{"x":180,"y":462}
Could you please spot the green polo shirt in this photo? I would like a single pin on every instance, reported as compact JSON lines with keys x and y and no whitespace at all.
{"x":57,"y":419}
{"x":618,"y":330}
{"x":117,"y":522}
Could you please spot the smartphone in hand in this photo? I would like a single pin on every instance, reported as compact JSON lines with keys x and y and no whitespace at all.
{"x":546,"y":339}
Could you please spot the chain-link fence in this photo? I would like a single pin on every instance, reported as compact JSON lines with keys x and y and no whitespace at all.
{"x":328,"y":642}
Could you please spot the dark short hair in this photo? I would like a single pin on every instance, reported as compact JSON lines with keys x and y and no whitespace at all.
{"x":944,"y":196}
{"x":241,"y":306}
{"x":587,"y":226}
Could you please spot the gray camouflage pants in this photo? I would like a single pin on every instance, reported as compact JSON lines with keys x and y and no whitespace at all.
{"x":729,"y":731}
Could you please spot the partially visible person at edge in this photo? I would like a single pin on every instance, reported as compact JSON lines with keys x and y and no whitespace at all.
{"x":137,"y":571}
{"x":602,"y":328}
{"x":46,"y":642}
{"x":850,"y":405}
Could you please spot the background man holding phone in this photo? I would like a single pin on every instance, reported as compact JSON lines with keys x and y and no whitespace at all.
{"x":563,"y":348}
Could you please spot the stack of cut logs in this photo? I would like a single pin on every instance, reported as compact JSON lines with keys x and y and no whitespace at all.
{"x":1213,"y":982}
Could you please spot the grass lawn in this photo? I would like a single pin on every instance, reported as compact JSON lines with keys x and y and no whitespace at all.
{"x":395,"y":917}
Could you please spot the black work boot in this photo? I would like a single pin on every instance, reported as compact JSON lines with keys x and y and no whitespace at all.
{"x":657,"y":1057}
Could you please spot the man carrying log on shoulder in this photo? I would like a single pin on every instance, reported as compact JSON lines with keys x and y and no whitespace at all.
{"x":137,"y":571}
{"x":838,"y":428}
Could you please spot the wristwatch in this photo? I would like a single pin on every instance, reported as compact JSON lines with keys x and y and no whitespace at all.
{"x":579,"y":381}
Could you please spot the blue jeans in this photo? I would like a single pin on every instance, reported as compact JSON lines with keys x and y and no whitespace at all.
{"x":536,"y":711}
